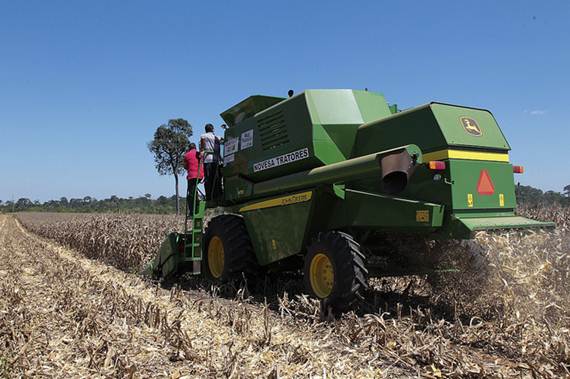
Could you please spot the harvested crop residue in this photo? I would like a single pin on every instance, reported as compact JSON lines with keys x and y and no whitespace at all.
{"x":62,"y":315}
{"x":60,"y":312}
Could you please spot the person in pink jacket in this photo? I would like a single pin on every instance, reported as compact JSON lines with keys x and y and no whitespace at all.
{"x":195,"y":168}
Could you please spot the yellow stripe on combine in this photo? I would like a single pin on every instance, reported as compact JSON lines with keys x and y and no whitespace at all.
{"x":280,"y":201}
{"x":463,"y":154}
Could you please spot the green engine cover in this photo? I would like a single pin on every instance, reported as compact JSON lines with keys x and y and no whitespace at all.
{"x":312,"y":129}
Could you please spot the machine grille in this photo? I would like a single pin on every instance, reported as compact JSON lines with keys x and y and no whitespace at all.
{"x":272,"y":130}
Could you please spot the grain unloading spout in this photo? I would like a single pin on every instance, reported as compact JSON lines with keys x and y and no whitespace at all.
{"x":399,"y":161}
{"x":397,"y":168}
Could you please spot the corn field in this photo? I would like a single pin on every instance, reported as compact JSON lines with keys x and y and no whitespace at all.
{"x":73,"y":305}
{"x":123,"y":241}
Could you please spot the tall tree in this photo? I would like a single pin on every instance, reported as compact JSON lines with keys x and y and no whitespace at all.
{"x":23,"y":203}
{"x":168,"y":146}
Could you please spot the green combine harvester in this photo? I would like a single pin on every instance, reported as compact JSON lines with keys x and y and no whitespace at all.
{"x":316,"y":182}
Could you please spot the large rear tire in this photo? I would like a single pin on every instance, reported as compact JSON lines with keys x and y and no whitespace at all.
{"x":228,"y":254}
{"x":335,"y":271}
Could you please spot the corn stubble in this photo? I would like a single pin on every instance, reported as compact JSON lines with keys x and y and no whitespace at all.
{"x":512,"y":320}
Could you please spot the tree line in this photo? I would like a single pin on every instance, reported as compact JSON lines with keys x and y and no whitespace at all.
{"x":526,"y":195}
{"x":531,"y":196}
{"x":88,"y":204}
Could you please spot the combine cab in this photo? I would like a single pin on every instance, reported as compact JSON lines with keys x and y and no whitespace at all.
{"x":318,"y":181}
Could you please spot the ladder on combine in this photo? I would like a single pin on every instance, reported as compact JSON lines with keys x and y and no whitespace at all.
{"x":181,"y":253}
{"x":193,"y":239}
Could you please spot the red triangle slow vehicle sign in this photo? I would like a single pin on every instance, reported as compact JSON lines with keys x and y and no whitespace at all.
{"x":485,"y":184}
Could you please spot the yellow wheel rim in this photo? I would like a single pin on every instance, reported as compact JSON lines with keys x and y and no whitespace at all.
{"x":321,"y":275}
{"x":216,"y":257}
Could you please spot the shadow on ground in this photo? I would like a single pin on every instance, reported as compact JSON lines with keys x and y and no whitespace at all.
{"x":284,"y":293}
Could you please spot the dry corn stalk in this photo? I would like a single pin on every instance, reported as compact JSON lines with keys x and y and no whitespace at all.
{"x":518,"y":326}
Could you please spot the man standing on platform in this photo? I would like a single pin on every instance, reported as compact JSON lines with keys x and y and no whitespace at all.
{"x":209,"y":147}
{"x":195,"y":170}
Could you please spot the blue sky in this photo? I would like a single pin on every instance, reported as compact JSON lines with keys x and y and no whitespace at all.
{"x":83,"y":84}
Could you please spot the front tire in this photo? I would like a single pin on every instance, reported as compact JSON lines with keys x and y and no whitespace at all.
{"x":334,"y":270}
{"x":228,"y":253}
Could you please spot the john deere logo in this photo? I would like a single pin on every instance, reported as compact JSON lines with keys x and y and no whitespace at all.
{"x":470,"y":126}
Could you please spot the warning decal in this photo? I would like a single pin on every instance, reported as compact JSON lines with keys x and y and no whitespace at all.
{"x":246,"y":139}
{"x":229,"y":158}
{"x":281,"y":160}
{"x":231,"y":146}
{"x":422,"y":216}
{"x":485,"y":186}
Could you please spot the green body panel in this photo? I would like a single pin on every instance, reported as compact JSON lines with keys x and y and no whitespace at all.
{"x":384,"y":213}
{"x":312,"y":129}
{"x":432,"y":127}
{"x":278,"y":232}
{"x":486,"y":223}
{"x":168,"y":260}
{"x":466,"y":175}
{"x":281,"y":129}
{"x":400,"y":127}
{"x":463,"y":226}
{"x":281,"y":230}
{"x":248,"y":108}
{"x":448,"y":118}
{"x":423,"y":187}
